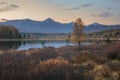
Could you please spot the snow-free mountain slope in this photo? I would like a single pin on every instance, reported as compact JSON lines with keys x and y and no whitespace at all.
{"x":51,"y":26}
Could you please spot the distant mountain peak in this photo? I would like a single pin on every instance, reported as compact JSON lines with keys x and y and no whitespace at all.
{"x":27,"y":19}
{"x":48,"y":20}
{"x":95,"y":24}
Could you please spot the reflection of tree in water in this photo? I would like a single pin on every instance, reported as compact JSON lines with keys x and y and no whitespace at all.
{"x":9,"y":45}
{"x":29,"y":42}
{"x":96,"y":41}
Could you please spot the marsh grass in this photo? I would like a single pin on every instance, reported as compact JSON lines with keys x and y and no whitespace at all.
{"x":85,"y":62}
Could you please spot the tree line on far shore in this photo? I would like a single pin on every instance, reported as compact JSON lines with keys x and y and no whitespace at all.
{"x":9,"y":32}
{"x":105,"y":34}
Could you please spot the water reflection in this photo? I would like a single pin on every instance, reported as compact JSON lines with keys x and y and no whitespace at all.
{"x":95,"y":41}
{"x":25,"y":45}
{"x":37,"y":44}
{"x":9,"y":45}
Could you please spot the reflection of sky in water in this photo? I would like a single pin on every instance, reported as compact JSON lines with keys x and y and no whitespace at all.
{"x":38,"y":45}
{"x":26,"y":46}
{"x":7,"y":46}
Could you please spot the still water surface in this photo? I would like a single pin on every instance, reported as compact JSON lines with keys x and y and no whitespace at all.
{"x":55,"y":44}
{"x":25,"y":45}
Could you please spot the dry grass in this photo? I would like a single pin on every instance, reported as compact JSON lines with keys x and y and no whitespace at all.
{"x":85,"y":62}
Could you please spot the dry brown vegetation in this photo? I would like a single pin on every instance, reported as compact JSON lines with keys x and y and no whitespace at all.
{"x":85,"y":62}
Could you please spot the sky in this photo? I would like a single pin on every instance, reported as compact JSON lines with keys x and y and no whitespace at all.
{"x":91,"y":11}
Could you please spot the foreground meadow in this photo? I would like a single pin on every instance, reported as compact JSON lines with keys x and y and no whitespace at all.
{"x":85,"y":62}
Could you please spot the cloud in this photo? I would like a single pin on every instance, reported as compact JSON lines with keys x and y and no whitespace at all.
{"x":104,"y":14}
{"x":82,"y":6}
{"x":75,"y":8}
{"x":87,"y":5}
{"x":5,"y":6}
{"x":2,"y":3}
{"x":109,"y":8}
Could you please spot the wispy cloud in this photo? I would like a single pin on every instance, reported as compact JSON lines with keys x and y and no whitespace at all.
{"x":75,"y":8}
{"x":87,"y":5}
{"x":104,"y":14}
{"x":5,"y":6}
{"x":109,"y":8}
{"x":81,"y":6}
{"x":2,"y":3}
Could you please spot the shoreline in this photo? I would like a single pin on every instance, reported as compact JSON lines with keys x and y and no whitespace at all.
{"x":59,"y":39}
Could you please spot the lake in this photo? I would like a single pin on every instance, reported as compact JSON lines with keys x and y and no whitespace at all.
{"x":37,"y":44}
{"x":25,"y":45}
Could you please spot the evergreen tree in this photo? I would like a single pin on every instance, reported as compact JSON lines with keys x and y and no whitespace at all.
{"x":9,"y":32}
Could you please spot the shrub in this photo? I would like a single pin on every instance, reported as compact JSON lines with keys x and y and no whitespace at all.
{"x":54,"y":69}
{"x":113,"y":54}
{"x":82,"y":57}
{"x":108,"y":40}
{"x":114,"y":65}
{"x":101,"y":71}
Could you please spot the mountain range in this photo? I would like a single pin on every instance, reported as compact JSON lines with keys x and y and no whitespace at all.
{"x":51,"y":26}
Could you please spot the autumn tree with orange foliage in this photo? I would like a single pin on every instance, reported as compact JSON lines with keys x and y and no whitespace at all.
{"x":78,"y":34}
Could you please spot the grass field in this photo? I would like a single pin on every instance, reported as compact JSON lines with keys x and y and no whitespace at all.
{"x":85,"y":62}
